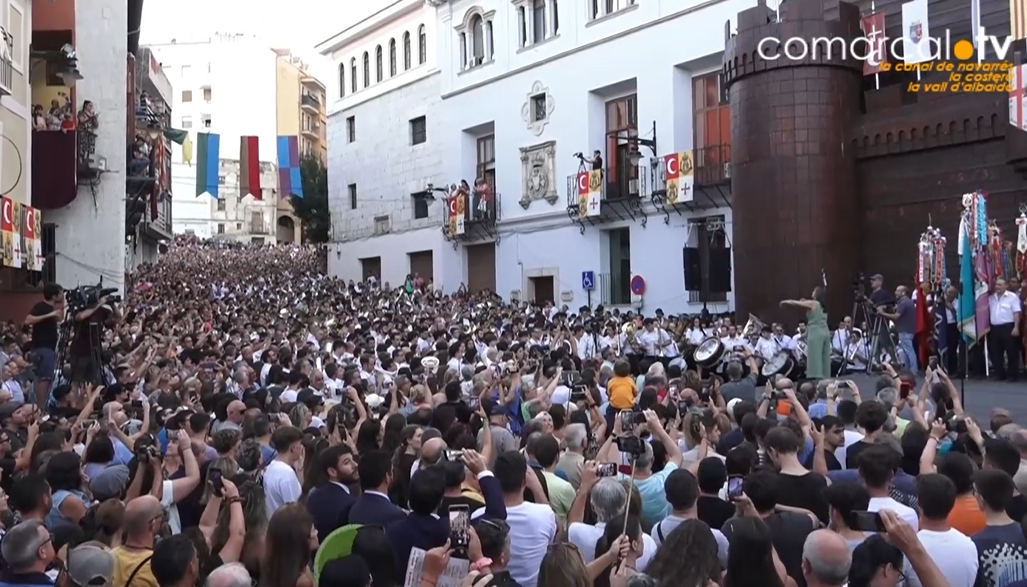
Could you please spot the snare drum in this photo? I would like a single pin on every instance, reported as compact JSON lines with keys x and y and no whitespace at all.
{"x":780,"y":364}
{"x":709,"y":352}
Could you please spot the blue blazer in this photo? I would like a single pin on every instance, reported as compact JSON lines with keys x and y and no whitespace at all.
{"x":415,"y":531}
{"x":329,"y":505}
{"x":374,"y":510}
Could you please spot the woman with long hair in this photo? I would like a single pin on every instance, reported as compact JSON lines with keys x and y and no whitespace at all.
{"x":251,"y":495}
{"x":368,"y":436}
{"x":392,"y":434}
{"x":818,"y":333}
{"x":876,"y":563}
{"x":612,"y":531}
{"x":313,"y":476}
{"x":291,"y":538}
{"x":67,"y":485}
{"x":751,"y":560}
{"x":373,"y":546}
{"x":402,"y":461}
{"x":699,"y":569}
{"x":563,"y":566}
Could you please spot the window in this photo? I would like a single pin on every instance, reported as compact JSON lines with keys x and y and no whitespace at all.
{"x":351,"y":129}
{"x":406,"y":51}
{"x":463,"y":50}
{"x":601,"y":8}
{"x":353,"y":75}
{"x":707,"y":265}
{"x":556,"y":16}
{"x":367,"y":69}
{"x":522,"y":27}
{"x":352,"y":196}
{"x":187,"y":96}
{"x":221,"y":228}
{"x":477,"y":41}
{"x":206,"y":120}
{"x":538,"y":20}
{"x":378,"y":70}
{"x":221,"y":180}
{"x":381,"y":224}
{"x":342,"y":80}
{"x":616,"y":284}
{"x":186,"y":71}
{"x":422,"y":45}
{"x":238,"y":226}
{"x":418,"y":130}
{"x":538,"y":107}
{"x":420,"y":207}
{"x":489,"y":44}
{"x":621,"y":123}
{"x":711,"y":128}
{"x":206,"y":95}
{"x":487,"y":160}
{"x":221,"y":205}
{"x":392,"y":57}
{"x":187,"y":122}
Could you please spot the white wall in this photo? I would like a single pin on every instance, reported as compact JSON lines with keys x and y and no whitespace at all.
{"x":144,"y":251}
{"x":383,"y":163}
{"x":406,"y":16}
{"x":393,"y":249}
{"x":582,"y":67}
{"x":90,"y":232}
{"x":240,"y":71}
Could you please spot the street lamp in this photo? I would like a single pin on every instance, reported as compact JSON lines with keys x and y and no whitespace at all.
{"x":634,"y":156}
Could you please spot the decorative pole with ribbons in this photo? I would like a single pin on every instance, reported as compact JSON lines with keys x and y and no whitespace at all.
{"x":931,"y":281}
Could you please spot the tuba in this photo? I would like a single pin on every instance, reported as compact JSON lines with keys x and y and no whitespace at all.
{"x":753,"y":327}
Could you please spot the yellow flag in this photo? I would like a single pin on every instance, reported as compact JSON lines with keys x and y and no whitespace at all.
{"x":187,"y":150}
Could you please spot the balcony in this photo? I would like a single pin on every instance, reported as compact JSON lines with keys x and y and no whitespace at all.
{"x":312,"y":131}
{"x":56,"y":169}
{"x":313,"y":83}
{"x":472,"y":217}
{"x":140,"y":184}
{"x":310,"y":104}
{"x":6,"y":75}
{"x":608,"y":195}
{"x":711,"y":183}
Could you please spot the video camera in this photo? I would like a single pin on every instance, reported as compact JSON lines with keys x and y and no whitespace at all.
{"x":579,"y":155}
{"x":86,"y":296}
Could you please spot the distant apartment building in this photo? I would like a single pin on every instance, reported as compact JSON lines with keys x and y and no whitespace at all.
{"x":236,"y":85}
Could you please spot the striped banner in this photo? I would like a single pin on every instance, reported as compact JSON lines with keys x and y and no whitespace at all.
{"x":249,"y":167}
{"x":208,"y":154}
{"x":290,"y":182}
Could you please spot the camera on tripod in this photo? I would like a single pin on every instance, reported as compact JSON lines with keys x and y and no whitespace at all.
{"x":859,"y":288}
{"x":579,"y":155}
{"x":87,"y":296}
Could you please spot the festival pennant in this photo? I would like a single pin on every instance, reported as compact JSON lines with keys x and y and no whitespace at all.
{"x":289,"y":180}
{"x":249,"y":167}
{"x":208,"y":157}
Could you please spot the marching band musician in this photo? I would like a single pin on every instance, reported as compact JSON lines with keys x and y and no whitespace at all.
{"x":610,"y":338}
{"x":766,"y":346}
{"x":840,"y":338}
{"x":654,"y":339}
{"x":735,"y":346}
{"x":695,"y":333}
{"x":855,"y":353}
{"x":587,"y":347}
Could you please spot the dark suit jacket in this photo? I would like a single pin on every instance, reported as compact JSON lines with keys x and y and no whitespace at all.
{"x":329,"y":505}
{"x":374,"y":510}
{"x":415,"y":531}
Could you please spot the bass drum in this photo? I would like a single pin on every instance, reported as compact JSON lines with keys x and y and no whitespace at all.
{"x":780,"y":364}
{"x":709,"y":352}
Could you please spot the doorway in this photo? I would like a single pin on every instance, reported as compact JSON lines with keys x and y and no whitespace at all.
{"x":422,"y":264}
{"x":371,"y":267}
{"x":543,"y":289}
{"x":618,"y":284}
{"x":481,"y":267}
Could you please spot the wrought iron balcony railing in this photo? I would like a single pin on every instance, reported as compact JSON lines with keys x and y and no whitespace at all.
{"x":308,"y":101}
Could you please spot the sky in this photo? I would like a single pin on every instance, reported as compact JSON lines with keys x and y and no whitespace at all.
{"x":293,"y":24}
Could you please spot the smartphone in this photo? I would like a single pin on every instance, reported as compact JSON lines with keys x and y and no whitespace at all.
{"x":454,"y":455}
{"x":607,"y":470}
{"x":904,"y":390}
{"x":734,"y":487}
{"x":214,"y":474}
{"x":627,"y":420}
{"x":459,"y":528}
{"x":136,"y":403}
{"x":87,"y":424}
{"x":932,"y":363}
{"x":842,"y":385}
{"x":867,"y":522}
{"x":673,"y":391}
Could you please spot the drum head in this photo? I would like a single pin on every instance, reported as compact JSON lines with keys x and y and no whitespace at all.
{"x":709,"y":351}
{"x":779,"y":364}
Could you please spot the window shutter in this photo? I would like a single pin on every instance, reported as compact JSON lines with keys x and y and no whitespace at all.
{"x":693,"y":269}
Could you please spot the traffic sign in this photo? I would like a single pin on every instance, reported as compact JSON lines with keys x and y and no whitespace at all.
{"x":588,"y":280}
{"x":637,"y":285}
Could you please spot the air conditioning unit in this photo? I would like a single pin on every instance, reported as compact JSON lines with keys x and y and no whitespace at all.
{"x":97,"y":163}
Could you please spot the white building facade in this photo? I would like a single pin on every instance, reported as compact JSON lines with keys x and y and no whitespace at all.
{"x":226,"y":85}
{"x":538,"y":82}
{"x":89,"y":234}
{"x":385,"y":149}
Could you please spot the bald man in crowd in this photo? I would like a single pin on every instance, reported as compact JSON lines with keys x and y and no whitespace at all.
{"x":143,"y":519}
{"x":826,"y":559}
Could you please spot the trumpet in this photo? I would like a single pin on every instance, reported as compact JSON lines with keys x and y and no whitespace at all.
{"x":468,"y":326}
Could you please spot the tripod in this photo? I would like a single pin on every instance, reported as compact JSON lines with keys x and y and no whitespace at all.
{"x":878,"y":338}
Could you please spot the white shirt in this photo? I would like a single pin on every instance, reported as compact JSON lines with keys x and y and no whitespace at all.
{"x":587,"y":347}
{"x":1004,"y":308}
{"x":907,"y":513}
{"x":840,"y":340}
{"x":532,"y":529}
{"x":850,"y":438}
{"x":695,"y":335}
{"x":281,"y":486}
{"x":288,"y":395}
{"x":585,"y":536}
{"x":650,"y":342}
{"x":953,"y":552}
{"x":766,"y":348}
{"x":856,"y":351}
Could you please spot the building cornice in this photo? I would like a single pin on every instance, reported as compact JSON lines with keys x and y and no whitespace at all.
{"x":366,"y":26}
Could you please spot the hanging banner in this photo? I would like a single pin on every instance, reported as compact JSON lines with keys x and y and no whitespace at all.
{"x":873,"y":29}
{"x":32,"y":244}
{"x":17,"y":214}
{"x":457,"y":207}
{"x":6,"y":231}
{"x":582,"y":194}
{"x":595,"y":192}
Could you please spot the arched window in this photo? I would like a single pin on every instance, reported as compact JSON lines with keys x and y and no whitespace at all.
{"x":378,"y":64}
{"x":392,"y":57}
{"x":367,"y":70}
{"x":406,"y":50}
{"x":353,"y":75}
{"x":342,"y":80}
{"x":463,"y":50}
{"x":489,"y":40}
{"x":422,"y":45}
{"x":477,"y":40}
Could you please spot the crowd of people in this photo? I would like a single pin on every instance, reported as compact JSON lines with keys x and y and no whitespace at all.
{"x":241,"y":419}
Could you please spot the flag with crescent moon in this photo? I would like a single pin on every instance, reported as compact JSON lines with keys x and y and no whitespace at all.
{"x":7,"y":231}
{"x":457,"y":206}
{"x":672,"y":165}
{"x":583,"y":193}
